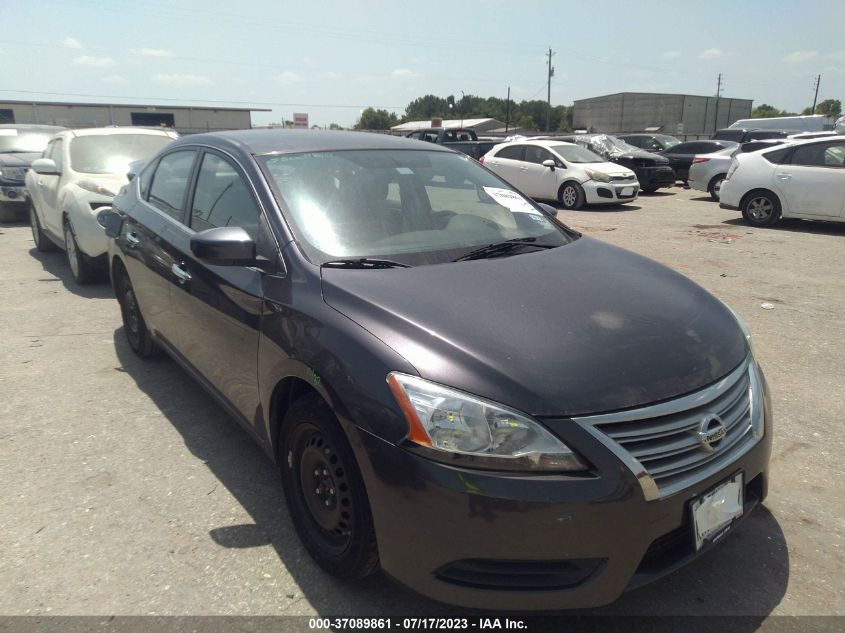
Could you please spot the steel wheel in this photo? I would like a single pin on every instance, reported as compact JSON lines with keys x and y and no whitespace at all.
{"x":134,"y":327}
{"x":760,"y":209}
{"x":571,"y":195}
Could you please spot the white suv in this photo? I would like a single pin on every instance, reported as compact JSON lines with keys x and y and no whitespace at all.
{"x":805,"y":179}
{"x":78,"y":175}
{"x":569,"y":173}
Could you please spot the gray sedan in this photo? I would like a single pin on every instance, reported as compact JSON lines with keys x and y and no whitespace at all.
{"x":708,"y":171}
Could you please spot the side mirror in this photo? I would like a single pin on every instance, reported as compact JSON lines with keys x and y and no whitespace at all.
{"x":550,"y":164}
{"x":224,"y":246}
{"x":110,"y":220}
{"x":45,"y":167}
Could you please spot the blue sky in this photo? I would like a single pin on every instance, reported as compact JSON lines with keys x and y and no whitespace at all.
{"x":333,"y":58}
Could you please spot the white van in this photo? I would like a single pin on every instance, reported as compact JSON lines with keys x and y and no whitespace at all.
{"x":808,"y":123}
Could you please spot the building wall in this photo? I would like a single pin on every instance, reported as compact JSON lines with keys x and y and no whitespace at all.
{"x":634,"y":112}
{"x":186,"y":120}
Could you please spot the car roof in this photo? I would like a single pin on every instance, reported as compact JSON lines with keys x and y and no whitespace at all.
{"x":260,"y":141}
{"x":31,"y":126}
{"x":108,"y":131}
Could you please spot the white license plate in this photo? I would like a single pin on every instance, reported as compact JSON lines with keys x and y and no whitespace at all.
{"x":627,"y":191}
{"x":714,"y":513}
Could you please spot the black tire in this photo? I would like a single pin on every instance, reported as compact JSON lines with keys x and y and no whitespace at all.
{"x":571,"y":195}
{"x":9,"y":212}
{"x":80,"y":266}
{"x":715,"y":186}
{"x":43,"y":243}
{"x":761,"y":208}
{"x":648,"y":189}
{"x":137,"y":334}
{"x":325,"y":493}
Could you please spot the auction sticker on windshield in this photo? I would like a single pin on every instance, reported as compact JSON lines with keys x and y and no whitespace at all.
{"x":511,"y":200}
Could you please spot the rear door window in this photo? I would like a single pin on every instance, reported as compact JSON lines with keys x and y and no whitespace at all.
{"x":170,"y":183}
{"x":513,"y":152}
{"x":820,"y":155}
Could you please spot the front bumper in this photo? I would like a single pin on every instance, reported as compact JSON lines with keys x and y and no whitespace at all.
{"x":543,"y":542}
{"x":13,"y":194}
{"x":610,"y":192}
{"x":656,"y":176}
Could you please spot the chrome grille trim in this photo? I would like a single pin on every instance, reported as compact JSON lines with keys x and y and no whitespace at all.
{"x":659,"y":443}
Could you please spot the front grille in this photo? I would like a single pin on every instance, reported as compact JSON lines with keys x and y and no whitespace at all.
{"x":662,"y":444}
{"x":519,"y":575}
{"x":630,"y":178}
{"x":14,"y":173}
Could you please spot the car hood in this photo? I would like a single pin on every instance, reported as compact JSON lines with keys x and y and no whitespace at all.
{"x":583,"y":328}
{"x":15,"y":159}
{"x":112,"y":182}
{"x":642,"y":154}
{"x":613,"y":169}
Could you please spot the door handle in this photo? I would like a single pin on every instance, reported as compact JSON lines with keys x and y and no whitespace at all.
{"x":181,"y":274}
{"x":132,"y":240}
{"x":784,"y":176}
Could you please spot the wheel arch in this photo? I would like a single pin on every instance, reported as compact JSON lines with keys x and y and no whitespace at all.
{"x":758,"y":190}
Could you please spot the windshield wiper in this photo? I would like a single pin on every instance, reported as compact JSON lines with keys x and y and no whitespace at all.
{"x":364,"y":262}
{"x":502,"y":248}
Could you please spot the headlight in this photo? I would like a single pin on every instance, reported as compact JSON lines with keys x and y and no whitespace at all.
{"x":457,"y":427}
{"x":598,"y":176}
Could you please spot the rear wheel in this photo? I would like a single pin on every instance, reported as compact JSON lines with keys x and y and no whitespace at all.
{"x":140,"y":339}
{"x":80,"y":267}
{"x":761,"y":208}
{"x":648,"y":189}
{"x":42,"y":242}
{"x":325,"y":493}
{"x":715,"y":186}
{"x":571,"y":195}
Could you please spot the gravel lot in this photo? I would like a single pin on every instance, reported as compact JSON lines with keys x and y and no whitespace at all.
{"x":127,"y":491}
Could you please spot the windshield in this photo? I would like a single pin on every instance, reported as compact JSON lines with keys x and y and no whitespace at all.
{"x":414,"y":207}
{"x":23,"y":141}
{"x":111,"y":154}
{"x":614,"y":145}
{"x":576,"y":154}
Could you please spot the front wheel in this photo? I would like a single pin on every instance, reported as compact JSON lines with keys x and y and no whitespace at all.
{"x":571,"y":195}
{"x":648,"y":189}
{"x":80,"y":267}
{"x":42,"y":242}
{"x":761,"y":209}
{"x":325,"y":493}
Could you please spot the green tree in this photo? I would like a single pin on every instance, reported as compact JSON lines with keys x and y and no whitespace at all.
{"x":765,"y":111}
{"x":426,"y":107}
{"x":372,"y":119}
{"x":828,"y":107}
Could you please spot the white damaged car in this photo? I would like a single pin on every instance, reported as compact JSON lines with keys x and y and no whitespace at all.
{"x":566,"y":172}
{"x":76,"y":178}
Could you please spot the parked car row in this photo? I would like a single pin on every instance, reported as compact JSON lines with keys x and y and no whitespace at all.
{"x":20,"y":144}
{"x":78,"y":175}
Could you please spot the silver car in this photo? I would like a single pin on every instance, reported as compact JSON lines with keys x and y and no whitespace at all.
{"x":708,"y":171}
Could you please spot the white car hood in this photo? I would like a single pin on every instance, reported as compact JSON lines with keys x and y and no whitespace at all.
{"x":112,"y":182}
{"x":611,"y":169}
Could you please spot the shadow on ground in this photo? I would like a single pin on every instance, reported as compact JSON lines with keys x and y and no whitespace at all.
{"x":55,"y":265}
{"x":747,"y":574}
{"x":794,"y":225}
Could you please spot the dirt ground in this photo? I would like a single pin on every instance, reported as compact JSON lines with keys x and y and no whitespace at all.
{"x":127,"y":491}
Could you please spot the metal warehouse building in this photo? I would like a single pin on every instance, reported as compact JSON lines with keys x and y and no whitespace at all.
{"x":680,"y":115}
{"x":185,"y":119}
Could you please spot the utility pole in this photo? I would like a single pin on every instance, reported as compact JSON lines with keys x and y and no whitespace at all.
{"x":549,"y":92}
{"x":816,"y":96}
{"x":508,"y":111}
{"x":718,"y":94}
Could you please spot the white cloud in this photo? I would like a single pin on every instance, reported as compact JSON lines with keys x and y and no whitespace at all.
{"x":797,"y":57}
{"x":176,"y":79}
{"x":152,"y":52}
{"x":711,"y":53}
{"x":288,"y":77}
{"x":71,"y":42}
{"x":671,"y":55}
{"x":114,"y":79}
{"x":402,"y":72}
{"x":93,"y":62}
